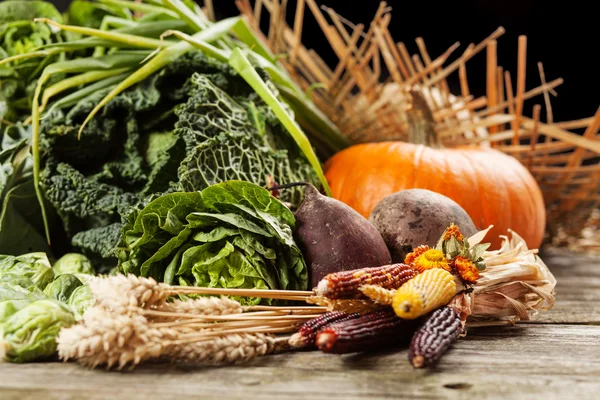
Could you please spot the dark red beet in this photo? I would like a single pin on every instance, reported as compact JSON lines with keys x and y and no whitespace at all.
{"x":334,"y":237}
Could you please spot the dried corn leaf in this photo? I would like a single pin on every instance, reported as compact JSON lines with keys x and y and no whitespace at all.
{"x":515,"y":285}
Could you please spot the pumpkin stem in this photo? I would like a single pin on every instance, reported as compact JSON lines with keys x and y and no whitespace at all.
{"x":421,"y":126}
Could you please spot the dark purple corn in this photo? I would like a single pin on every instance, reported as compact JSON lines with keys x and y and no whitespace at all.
{"x":441,"y":328}
{"x":308,"y":331}
{"x":369,"y":332}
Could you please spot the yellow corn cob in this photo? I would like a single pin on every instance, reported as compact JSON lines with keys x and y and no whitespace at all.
{"x":425,"y":292}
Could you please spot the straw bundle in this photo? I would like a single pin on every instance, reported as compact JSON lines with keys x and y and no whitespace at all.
{"x":378,"y":91}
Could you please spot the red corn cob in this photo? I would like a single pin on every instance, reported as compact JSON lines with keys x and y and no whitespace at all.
{"x":441,"y":328}
{"x":308,"y":331}
{"x":371,"y":331}
{"x":346,"y":284}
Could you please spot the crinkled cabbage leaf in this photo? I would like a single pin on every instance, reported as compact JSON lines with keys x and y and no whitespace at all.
{"x":34,"y":266}
{"x":232,"y":235}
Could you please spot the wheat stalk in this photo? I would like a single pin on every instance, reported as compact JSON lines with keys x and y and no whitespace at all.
{"x":129,"y":339}
{"x":132,"y":322}
{"x":120,"y":293}
{"x":230,"y":349}
{"x":203,"y":306}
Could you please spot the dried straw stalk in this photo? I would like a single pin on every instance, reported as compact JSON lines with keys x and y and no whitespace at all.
{"x":562,"y":156}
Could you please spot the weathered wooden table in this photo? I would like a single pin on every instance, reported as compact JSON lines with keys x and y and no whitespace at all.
{"x":556,"y":356}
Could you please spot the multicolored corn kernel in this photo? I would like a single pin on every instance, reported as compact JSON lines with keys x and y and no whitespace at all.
{"x":441,"y":328}
{"x":431,"y":259}
{"x":412,"y":256}
{"x":424,"y":293}
{"x":308,"y":331}
{"x":371,"y":331}
{"x":346,"y":284}
{"x":466,"y":269}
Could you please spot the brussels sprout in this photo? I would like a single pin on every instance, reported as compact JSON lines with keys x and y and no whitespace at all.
{"x":62,"y":287}
{"x":80,"y":300}
{"x":34,"y":266}
{"x":31,"y":332}
{"x":73,"y":263}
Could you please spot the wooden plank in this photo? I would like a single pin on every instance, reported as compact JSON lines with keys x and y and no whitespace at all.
{"x":508,"y":361}
{"x":554,"y":357}
{"x":578,"y":288}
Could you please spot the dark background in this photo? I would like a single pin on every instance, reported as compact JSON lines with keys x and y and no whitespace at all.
{"x":563,"y":35}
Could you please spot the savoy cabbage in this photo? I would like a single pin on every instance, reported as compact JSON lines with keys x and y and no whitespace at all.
{"x":191,"y":125}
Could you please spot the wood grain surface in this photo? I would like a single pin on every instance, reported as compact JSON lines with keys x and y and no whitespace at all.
{"x":557,"y":356}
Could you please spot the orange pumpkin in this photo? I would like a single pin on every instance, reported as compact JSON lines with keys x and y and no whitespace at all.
{"x":494,"y":188}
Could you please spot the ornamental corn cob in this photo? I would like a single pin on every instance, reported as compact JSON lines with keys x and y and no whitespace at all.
{"x":346,"y":284}
{"x":430,"y":341}
{"x":308,"y":331}
{"x":378,"y":294}
{"x":432,"y":289}
{"x":371,"y":331}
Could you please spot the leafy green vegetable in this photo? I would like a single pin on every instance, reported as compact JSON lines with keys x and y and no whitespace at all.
{"x":233,"y":234}
{"x":19,"y":35}
{"x":134,"y":105}
{"x":34,"y":266}
{"x":235,"y":137}
{"x":31,"y":332}
{"x":14,"y":287}
{"x":73,"y":263}
{"x":80,"y":300}
{"x":16,"y":292}
{"x":194,"y":124}
{"x":62,"y":287}
{"x":9,"y":307}
{"x":21,"y":230}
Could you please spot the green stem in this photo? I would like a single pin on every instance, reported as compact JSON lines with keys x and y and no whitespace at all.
{"x":241,"y":64}
{"x":125,"y":38}
{"x":163,"y":58}
{"x":138,"y":6}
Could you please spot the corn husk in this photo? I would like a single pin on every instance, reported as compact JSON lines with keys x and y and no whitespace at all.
{"x":515,"y":285}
